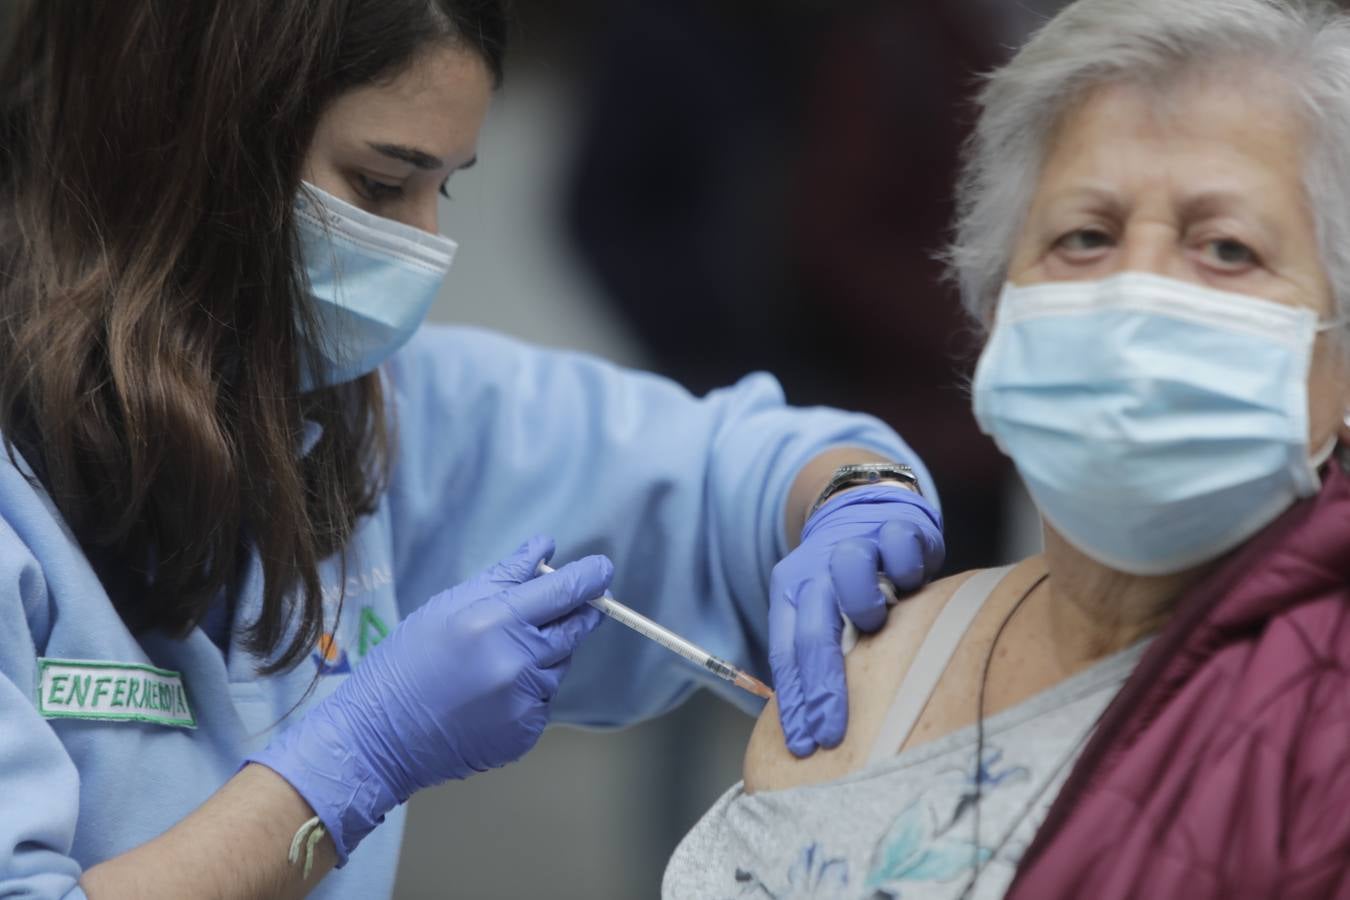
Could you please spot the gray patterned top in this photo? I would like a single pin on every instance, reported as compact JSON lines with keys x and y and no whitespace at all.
{"x":904,"y":827}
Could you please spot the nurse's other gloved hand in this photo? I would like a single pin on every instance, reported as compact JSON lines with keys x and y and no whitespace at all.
{"x":882,"y":529}
{"x":461,"y":686}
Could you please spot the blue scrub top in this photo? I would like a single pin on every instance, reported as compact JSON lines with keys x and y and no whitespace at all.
{"x":497,"y":441}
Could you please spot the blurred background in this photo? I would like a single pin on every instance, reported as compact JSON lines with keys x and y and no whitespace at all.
{"x":705,"y":188}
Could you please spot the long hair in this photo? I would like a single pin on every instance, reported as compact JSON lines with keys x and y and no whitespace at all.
{"x":152,"y":298}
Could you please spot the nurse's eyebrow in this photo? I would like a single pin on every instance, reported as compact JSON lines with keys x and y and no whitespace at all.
{"x":415,"y":157}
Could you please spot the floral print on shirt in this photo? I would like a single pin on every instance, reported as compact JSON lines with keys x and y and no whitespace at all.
{"x":924,"y":843}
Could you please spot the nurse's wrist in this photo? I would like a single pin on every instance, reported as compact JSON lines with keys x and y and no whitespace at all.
{"x":322,"y":761}
{"x":296,"y":812}
{"x":815,"y":477}
{"x":232,"y":846}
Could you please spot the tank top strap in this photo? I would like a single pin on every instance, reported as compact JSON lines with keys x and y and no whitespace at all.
{"x":931,"y":660}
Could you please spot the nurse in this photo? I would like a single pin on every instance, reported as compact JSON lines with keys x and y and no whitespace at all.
{"x":242,"y":503}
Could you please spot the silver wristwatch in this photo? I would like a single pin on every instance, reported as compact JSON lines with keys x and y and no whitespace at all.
{"x":859,"y":474}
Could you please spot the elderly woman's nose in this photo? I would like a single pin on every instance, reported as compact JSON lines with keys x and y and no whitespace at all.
{"x":1153,"y":249}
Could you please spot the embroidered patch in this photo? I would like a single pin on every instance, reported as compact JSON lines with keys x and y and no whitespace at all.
{"x":83,"y":689}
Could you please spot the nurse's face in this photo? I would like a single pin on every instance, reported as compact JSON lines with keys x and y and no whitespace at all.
{"x":390,"y":148}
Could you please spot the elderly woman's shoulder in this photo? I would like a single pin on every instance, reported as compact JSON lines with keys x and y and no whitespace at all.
{"x":874,"y":669}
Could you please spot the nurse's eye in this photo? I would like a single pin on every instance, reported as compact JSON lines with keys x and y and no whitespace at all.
{"x":1229,"y":255}
{"x":377,"y":191}
{"x":1084,"y":244}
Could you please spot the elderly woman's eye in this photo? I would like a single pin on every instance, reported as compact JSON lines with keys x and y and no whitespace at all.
{"x":1230,"y":254}
{"x":1084,"y":241}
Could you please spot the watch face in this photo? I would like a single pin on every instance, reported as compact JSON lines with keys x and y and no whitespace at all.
{"x":867,"y":473}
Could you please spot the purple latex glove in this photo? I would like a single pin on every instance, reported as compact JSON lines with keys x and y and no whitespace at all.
{"x":461,"y":686}
{"x":862,"y":533}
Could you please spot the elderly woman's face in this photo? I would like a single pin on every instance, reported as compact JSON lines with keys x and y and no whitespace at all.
{"x":1206,"y":187}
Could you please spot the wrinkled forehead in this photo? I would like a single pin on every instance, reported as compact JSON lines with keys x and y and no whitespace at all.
{"x":1201,"y":111}
{"x":1220,"y":135}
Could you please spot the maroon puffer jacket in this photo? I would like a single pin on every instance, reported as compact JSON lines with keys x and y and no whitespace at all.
{"x":1222,"y":769}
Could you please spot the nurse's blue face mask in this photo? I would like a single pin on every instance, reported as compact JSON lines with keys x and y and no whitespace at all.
{"x":1157,"y":424}
{"x":372,"y":281}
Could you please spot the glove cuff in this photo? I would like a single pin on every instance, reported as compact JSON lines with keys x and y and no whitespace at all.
{"x":885,"y":492}
{"x":317,"y":759}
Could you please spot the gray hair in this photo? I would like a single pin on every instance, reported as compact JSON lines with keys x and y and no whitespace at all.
{"x":1096,"y":42}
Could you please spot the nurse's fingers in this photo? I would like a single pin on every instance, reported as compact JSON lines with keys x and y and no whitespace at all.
{"x":561,"y":638}
{"x":912,"y":550}
{"x":853,"y":569}
{"x":545,"y":682}
{"x":786,"y":676}
{"x":556,"y":594}
{"x":821,"y":662}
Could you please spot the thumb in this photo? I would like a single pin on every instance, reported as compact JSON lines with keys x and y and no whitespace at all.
{"x":552,"y":596}
{"x":521,"y":566}
{"x":853,"y":569}
{"x":910,"y":552}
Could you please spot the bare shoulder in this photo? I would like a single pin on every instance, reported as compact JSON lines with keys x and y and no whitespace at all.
{"x":874,"y":670}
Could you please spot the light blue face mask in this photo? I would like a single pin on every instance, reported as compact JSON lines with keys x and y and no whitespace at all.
{"x":372,"y":281}
{"x":1156,"y":423}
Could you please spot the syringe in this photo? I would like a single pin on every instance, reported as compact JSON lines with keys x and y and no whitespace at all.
{"x":674,"y":643}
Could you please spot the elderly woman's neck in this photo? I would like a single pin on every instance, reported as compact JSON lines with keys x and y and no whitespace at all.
{"x":1094,"y":611}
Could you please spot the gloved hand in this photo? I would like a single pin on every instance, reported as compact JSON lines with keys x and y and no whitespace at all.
{"x":461,"y":686}
{"x":860,"y":534}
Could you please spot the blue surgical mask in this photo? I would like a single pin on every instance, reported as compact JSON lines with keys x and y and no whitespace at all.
{"x":1157,"y":424}
{"x":372,"y":281}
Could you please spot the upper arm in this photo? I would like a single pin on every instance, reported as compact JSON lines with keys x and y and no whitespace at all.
{"x":499,"y":440}
{"x":873,"y":670}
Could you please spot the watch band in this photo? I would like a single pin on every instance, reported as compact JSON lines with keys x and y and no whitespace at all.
{"x":858,"y":474}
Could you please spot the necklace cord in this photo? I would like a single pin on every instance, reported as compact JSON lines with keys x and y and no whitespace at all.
{"x":979,"y":731}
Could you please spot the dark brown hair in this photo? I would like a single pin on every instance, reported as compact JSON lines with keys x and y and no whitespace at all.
{"x":150,"y":289}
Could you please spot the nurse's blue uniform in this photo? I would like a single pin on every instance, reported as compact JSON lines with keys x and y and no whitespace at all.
{"x":496,"y":441}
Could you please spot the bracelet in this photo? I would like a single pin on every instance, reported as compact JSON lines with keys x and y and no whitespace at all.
{"x":308,"y":834}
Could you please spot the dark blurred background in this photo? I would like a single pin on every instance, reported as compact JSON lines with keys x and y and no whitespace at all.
{"x":706,"y":188}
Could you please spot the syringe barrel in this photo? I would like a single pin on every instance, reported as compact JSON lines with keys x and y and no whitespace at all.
{"x":649,"y":629}
{"x":653,"y":632}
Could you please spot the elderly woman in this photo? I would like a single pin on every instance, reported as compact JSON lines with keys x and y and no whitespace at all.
{"x":1155,"y":218}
